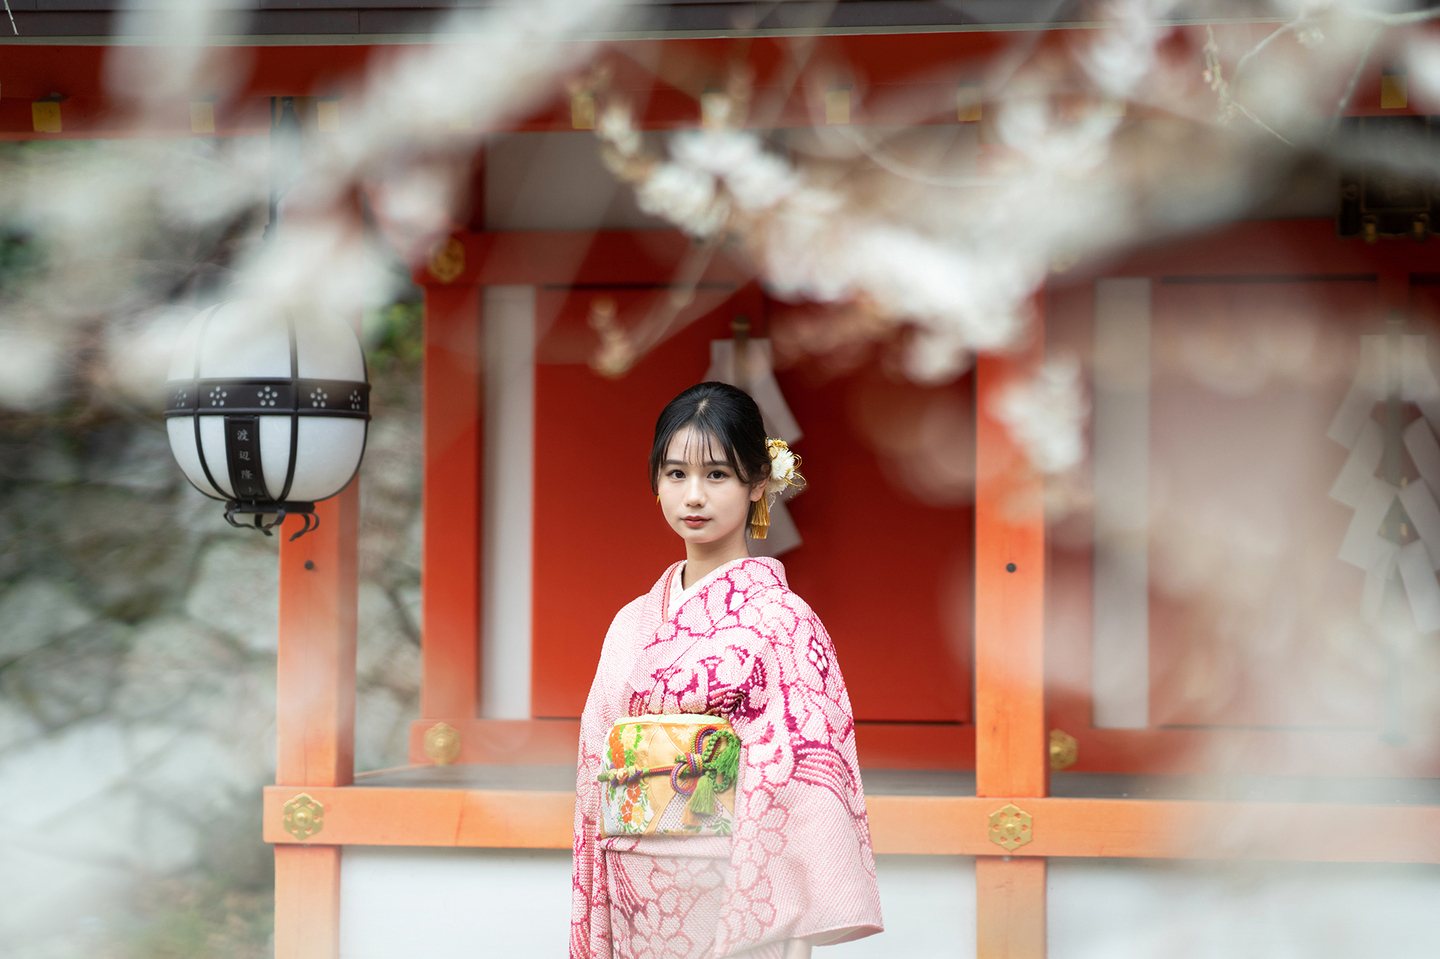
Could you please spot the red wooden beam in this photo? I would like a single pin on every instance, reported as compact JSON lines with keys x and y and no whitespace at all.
{"x":914,"y":825}
{"x":1279,"y":248}
{"x":893,"y":78}
{"x":1253,"y":250}
{"x":1347,"y":753}
{"x":522,"y":741}
{"x":584,"y":258}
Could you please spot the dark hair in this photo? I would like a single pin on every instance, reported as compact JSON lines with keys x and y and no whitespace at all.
{"x":722,"y":414}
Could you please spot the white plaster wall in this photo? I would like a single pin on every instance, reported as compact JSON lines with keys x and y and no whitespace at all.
{"x":405,"y":903}
{"x":928,"y":903}
{"x":401,"y":903}
{"x":1118,"y":909}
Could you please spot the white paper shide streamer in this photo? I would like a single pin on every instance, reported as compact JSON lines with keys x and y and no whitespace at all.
{"x":1393,"y":368}
{"x":755,"y":374}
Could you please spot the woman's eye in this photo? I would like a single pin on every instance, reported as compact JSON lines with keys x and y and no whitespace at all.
{"x":676,"y":474}
{"x":718,"y":475}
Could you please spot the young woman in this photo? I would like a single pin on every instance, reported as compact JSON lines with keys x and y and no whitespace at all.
{"x":719,"y":673}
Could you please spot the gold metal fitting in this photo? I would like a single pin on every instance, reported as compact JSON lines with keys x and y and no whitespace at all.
{"x":442,"y":744}
{"x":1011,"y":827}
{"x":303,"y":816}
{"x":1064,"y":750}
{"x":582,"y":110}
{"x":447,"y":260}
{"x":1394,"y":91}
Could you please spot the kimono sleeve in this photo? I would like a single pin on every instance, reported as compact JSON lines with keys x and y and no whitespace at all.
{"x":590,"y":905}
{"x":801,"y":862}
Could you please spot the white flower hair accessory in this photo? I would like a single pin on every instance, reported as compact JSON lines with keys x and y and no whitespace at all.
{"x":784,"y":473}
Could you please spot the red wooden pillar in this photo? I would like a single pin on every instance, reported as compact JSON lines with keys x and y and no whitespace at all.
{"x":307,"y":902}
{"x":450,"y":578}
{"x":1010,"y":904}
{"x":315,"y":698}
{"x":1011,"y":758}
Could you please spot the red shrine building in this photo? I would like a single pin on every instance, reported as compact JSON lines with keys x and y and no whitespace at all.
{"x":1026,"y":695}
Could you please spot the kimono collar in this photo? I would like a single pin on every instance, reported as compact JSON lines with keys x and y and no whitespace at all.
{"x":763,"y":571}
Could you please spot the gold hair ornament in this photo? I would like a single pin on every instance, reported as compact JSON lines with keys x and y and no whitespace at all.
{"x":784,"y":474}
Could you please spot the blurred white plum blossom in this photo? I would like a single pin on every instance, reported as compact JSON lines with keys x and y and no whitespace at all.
{"x":1046,"y":414}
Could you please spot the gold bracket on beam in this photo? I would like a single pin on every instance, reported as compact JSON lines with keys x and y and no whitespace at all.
{"x":1064,"y":750}
{"x":303,"y":816}
{"x":442,"y":744}
{"x":447,"y":260}
{"x":1011,"y":827}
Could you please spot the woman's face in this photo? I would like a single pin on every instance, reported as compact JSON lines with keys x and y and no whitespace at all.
{"x":703,"y":498}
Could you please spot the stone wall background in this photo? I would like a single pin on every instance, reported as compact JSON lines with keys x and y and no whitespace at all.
{"x":137,"y":675}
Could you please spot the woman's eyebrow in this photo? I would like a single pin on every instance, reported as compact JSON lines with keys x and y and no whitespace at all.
{"x":720,"y":463}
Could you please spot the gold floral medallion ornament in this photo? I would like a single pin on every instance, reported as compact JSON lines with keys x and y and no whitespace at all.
{"x":303,"y":816}
{"x":1064,"y":750}
{"x":442,"y":744}
{"x":1011,"y":827}
{"x":447,"y":260}
{"x":784,"y":473}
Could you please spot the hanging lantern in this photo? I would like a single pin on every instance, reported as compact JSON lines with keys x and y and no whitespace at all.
{"x":268,"y":410}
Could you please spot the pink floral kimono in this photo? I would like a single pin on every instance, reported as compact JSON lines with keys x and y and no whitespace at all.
{"x":799,"y":863}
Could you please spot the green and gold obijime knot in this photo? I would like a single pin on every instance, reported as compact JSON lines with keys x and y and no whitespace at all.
{"x":712,"y":767}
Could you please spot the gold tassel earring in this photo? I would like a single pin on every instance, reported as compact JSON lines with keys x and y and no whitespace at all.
{"x":760,"y":518}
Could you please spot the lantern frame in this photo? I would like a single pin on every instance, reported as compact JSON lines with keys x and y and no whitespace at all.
{"x":242,"y":401}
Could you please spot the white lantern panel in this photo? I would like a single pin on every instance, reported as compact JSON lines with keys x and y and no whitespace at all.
{"x":326,"y":456}
{"x":182,"y":445}
{"x":241,"y":355}
{"x":275,"y":453}
{"x":328,"y":348}
{"x":182,"y":360}
{"x":243,"y":341}
{"x":212,"y":443}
